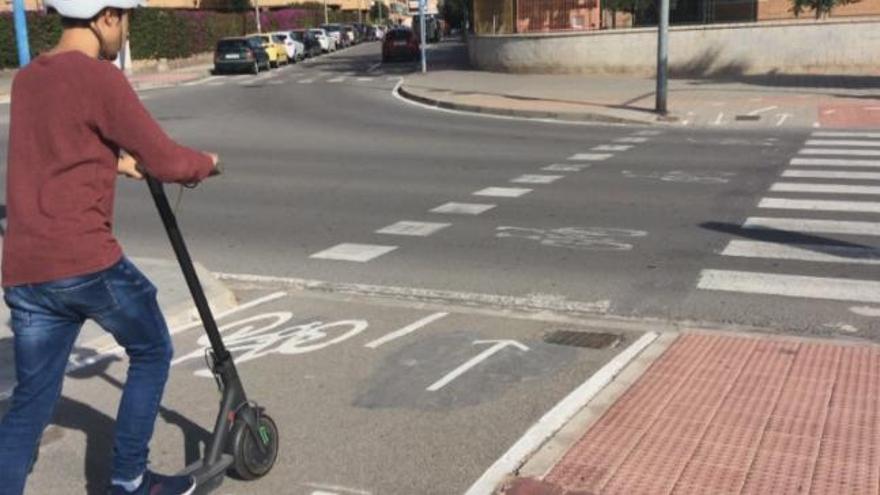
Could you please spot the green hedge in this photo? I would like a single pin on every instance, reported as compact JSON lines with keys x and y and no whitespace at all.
{"x":168,"y":33}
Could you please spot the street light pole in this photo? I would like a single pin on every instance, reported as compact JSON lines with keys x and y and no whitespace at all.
{"x":21,"y":33}
{"x":663,"y":57}
{"x":326,"y":18}
{"x":257,"y":12}
{"x":422,"y":33}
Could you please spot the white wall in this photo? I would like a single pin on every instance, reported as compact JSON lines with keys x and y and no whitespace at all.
{"x":831,"y":47}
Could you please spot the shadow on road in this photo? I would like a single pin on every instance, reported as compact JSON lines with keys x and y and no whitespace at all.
{"x":799,"y":240}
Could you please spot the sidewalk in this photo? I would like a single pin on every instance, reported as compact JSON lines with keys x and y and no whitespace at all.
{"x":742,"y":101}
{"x":150,"y":78}
{"x":174,"y":299}
{"x":721,"y":414}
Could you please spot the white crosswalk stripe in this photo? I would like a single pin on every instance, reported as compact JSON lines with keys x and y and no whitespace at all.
{"x":831,"y":174}
{"x":833,"y":162}
{"x":841,"y":236}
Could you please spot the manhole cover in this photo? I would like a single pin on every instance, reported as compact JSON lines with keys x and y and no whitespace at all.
{"x":589,"y":340}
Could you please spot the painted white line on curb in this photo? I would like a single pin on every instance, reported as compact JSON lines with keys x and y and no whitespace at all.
{"x":820,"y":253}
{"x":820,"y":205}
{"x":824,"y":188}
{"x":406,"y":330}
{"x":762,"y":110}
{"x":833,"y":162}
{"x":556,"y":418}
{"x":804,"y":225}
{"x":538,"y":302}
{"x":836,"y":289}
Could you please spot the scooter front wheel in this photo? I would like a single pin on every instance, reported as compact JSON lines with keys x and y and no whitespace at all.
{"x":254,"y":452}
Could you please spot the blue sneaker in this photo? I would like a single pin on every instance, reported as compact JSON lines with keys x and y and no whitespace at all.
{"x":157,"y":484}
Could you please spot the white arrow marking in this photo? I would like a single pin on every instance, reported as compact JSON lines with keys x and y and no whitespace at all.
{"x":479,"y":358}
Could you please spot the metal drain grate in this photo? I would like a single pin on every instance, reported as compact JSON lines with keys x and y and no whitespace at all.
{"x":589,"y":340}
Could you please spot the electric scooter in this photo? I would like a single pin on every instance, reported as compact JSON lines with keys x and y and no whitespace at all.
{"x":245,"y":439}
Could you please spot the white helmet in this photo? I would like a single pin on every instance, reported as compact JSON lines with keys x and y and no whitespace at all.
{"x":86,"y":9}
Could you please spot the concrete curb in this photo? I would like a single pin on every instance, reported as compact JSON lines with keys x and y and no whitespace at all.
{"x":593,"y":117}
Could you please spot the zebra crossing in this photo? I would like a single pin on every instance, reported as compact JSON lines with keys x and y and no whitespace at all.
{"x":826,"y":190}
{"x":281,"y":76}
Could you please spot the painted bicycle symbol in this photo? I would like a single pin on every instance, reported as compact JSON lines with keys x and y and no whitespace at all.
{"x":683,"y":177}
{"x":265,"y":334}
{"x":586,"y":238}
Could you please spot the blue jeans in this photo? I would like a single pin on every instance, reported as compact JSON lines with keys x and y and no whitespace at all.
{"x":46,"y":319}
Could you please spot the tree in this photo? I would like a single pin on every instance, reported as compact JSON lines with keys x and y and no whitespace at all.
{"x":379,"y":10}
{"x":822,"y":8}
{"x":454,"y":12}
{"x":239,"y":5}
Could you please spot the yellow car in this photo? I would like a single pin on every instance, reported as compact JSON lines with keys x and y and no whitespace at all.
{"x":277,"y":51}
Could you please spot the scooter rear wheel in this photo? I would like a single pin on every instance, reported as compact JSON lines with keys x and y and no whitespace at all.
{"x":252,"y":462}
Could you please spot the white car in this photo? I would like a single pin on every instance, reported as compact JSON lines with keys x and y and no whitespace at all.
{"x":335,"y":32}
{"x":296,"y":51}
{"x":328,"y":43}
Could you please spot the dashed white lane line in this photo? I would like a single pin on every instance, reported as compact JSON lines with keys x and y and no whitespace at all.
{"x":845,"y":134}
{"x":843,"y":142}
{"x":336,"y":79}
{"x":306,"y":81}
{"x":406,"y":330}
{"x":824,"y":188}
{"x":503,"y":192}
{"x":216,"y":83}
{"x":820,"y":205}
{"x":562,"y":167}
{"x":839,"y":152}
{"x":838,"y":289}
{"x":413,"y":228}
{"x":590,"y":157}
{"x":360,"y":253}
{"x":364,"y":79}
{"x":811,"y":226}
{"x":631,"y":140}
{"x":648,"y":133}
{"x":833,"y":162}
{"x":205,"y":80}
{"x":612,"y":147}
{"x":453,"y":208}
{"x":536,"y":179}
{"x":831,"y":174}
{"x":821,"y":253}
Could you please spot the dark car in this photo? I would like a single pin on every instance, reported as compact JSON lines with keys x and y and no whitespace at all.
{"x":240,"y":55}
{"x":309,"y":41}
{"x":400,"y":43}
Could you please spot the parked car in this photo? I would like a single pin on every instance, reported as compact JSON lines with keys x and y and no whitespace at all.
{"x":328,"y":43}
{"x":402,"y":43}
{"x":277,"y":51}
{"x":348,"y":30}
{"x":296,"y":50}
{"x":335,"y":30}
{"x":240,"y":55}
{"x":311,"y":45}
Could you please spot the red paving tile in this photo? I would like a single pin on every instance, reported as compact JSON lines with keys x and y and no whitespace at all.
{"x":738,"y":415}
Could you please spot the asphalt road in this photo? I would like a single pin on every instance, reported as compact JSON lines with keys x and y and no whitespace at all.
{"x":323,"y":154}
{"x":647,"y":228}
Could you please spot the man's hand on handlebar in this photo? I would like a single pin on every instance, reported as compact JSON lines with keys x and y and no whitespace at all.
{"x":128,"y":167}
{"x":217,"y":170}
